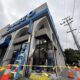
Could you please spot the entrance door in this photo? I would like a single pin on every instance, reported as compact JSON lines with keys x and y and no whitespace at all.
{"x":2,"y":53}
{"x":14,"y":57}
{"x":16,"y":52}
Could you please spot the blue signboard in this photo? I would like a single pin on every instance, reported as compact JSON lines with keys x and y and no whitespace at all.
{"x":10,"y":27}
{"x":32,"y":16}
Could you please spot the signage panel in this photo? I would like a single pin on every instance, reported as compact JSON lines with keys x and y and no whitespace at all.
{"x":10,"y":27}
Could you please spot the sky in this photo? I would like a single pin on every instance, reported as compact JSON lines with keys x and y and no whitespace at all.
{"x":12,"y":10}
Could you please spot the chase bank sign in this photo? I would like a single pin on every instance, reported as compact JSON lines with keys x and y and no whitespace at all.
{"x":22,"y":20}
{"x":28,"y":19}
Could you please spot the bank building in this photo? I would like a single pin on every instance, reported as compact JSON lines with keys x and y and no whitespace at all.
{"x":34,"y":32}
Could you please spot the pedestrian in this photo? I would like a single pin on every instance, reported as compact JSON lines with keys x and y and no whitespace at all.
{"x":50,"y":59}
{"x":43,"y":57}
{"x":36,"y":60}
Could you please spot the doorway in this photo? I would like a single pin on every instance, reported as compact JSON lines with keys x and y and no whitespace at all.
{"x":4,"y":46}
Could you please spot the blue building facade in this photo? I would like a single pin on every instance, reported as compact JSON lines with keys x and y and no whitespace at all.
{"x":44,"y":35}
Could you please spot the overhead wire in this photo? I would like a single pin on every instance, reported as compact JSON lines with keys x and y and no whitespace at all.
{"x":73,"y":11}
{"x":73,"y":17}
{"x":64,"y":8}
{"x":78,"y":30}
{"x":74,"y":2}
{"x":65,"y":16}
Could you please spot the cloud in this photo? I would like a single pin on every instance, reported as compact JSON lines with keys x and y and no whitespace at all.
{"x":2,"y":16}
{"x":12,"y":10}
{"x":60,"y":10}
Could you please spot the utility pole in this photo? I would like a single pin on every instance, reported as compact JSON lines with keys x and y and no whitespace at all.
{"x":68,"y":21}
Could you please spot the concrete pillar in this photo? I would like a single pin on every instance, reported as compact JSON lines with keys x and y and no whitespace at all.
{"x":9,"y":51}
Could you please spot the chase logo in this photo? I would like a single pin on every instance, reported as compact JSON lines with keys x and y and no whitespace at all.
{"x":25,"y":18}
{"x":32,"y":13}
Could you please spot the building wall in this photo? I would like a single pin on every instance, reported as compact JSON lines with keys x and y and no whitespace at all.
{"x":36,"y":25}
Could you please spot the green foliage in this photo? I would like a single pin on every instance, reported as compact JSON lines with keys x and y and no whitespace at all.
{"x":72,"y":56}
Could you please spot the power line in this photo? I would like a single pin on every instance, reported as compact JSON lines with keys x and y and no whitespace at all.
{"x":73,"y":8}
{"x":72,"y":30}
{"x":64,"y":8}
{"x":68,"y":21}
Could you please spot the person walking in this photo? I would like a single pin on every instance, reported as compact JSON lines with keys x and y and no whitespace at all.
{"x":50,"y":59}
{"x":43,"y":56}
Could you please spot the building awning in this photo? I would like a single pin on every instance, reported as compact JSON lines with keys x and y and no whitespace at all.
{"x":4,"y":42}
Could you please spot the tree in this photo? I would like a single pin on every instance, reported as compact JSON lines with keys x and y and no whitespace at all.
{"x":71,"y":56}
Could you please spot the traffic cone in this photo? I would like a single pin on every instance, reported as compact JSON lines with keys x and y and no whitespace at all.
{"x":76,"y":68}
{"x":78,"y":78}
{"x":77,"y":72}
{"x":5,"y":77}
{"x":6,"y":74}
{"x":70,"y":74}
{"x":9,"y":66}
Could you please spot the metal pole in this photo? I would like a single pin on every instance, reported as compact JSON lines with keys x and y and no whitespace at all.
{"x":68,"y":21}
{"x":76,"y":42}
